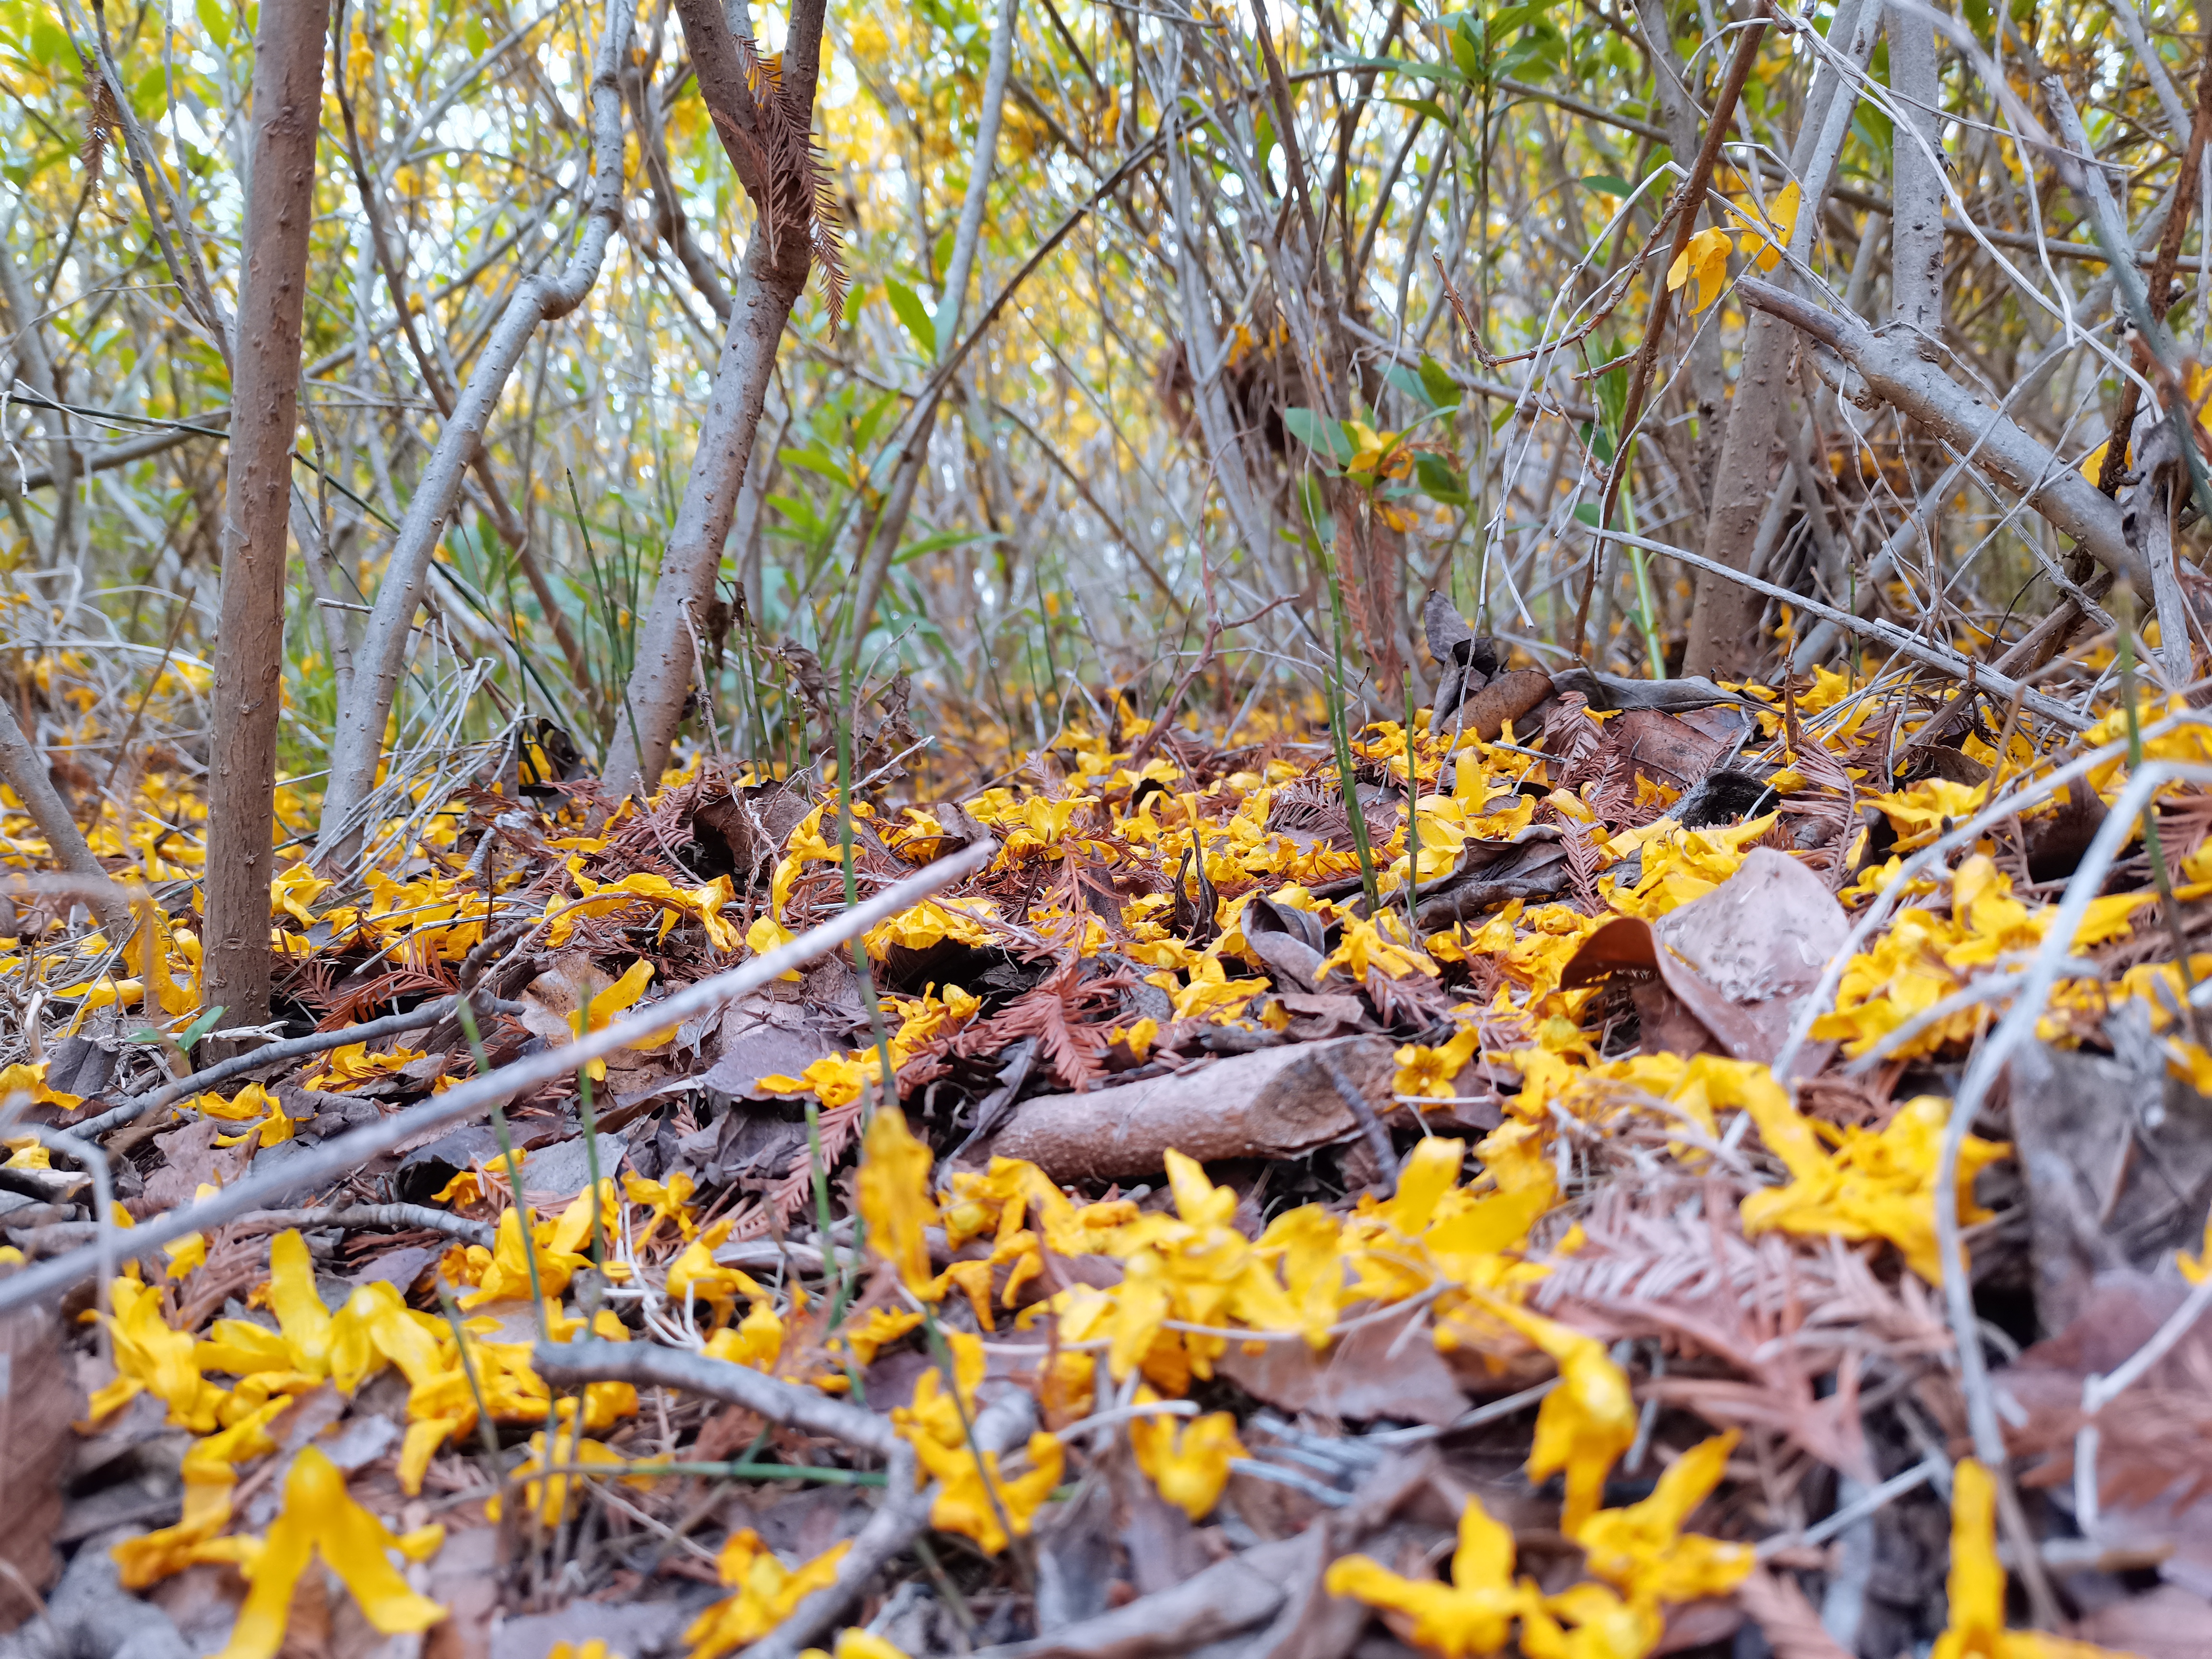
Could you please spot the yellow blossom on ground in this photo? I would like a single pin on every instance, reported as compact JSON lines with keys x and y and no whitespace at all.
{"x":1432,"y":1074}
{"x":1186,"y":1458}
{"x":319,"y":1518}
{"x":1977,"y":1584}
{"x":1876,"y":1184}
{"x":853,"y":1643}
{"x":892,"y":1191}
{"x":1603,"y":1625}
{"x":1584,"y":1425}
{"x":1472,"y":1615}
{"x":27,"y":1081}
{"x":1642,"y":1550}
{"x":765,"y":1593}
{"x":350,"y":1066}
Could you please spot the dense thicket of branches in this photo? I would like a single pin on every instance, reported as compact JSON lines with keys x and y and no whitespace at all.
{"x":1136,"y":343}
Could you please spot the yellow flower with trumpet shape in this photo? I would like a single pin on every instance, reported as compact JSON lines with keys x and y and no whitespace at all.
{"x":1039,"y":829}
{"x":1377,"y":454}
{"x":293,"y":889}
{"x":350,"y":1066}
{"x":694,"y":1274}
{"x":558,"y":1246}
{"x":835,"y":1080}
{"x":1186,"y":1459}
{"x":670,"y":1197}
{"x":703,"y":905}
{"x":765,"y":1593}
{"x":551,"y":1495}
{"x":1584,"y":1425}
{"x":1876,"y":1184}
{"x":1976,"y":1629}
{"x":1432,"y":1074}
{"x":1602,"y":1626}
{"x":152,"y":1359}
{"x":320,"y":1518}
{"x":975,"y":1495}
{"x":756,"y":1340}
{"x":1642,"y":1550}
{"x":211,"y":1474}
{"x":598,"y":1010}
{"x":1473,"y":1614}
{"x":1365,"y":946}
{"x":1705,"y":260}
{"x":1192,"y":1266}
{"x":893,"y":1194}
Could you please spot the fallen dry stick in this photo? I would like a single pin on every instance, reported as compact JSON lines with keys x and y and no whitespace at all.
{"x":890,"y":1532}
{"x":1277,"y":1103}
{"x":643,"y":1364}
{"x":345,"y":1153}
{"x":314,"y":1042}
{"x":1235,"y":1595}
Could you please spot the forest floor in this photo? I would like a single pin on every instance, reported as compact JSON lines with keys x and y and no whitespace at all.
{"x":1723,"y":1173}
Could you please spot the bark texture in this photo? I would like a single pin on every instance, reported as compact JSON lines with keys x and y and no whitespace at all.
{"x":1724,"y":635}
{"x":249,"y":664}
{"x":357,"y":743}
{"x":774,"y":275}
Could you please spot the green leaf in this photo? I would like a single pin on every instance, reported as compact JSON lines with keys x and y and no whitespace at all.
{"x":820,"y":463}
{"x":910,"y":311}
{"x":477,"y":38}
{"x":942,"y":540}
{"x":49,"y":44}
{"x":214,"y":18}
{"x":1326,"y":439}
{"x":1609,"y":184}
{"x":1426,"y":106}
{"x":1586,"y":513}
{"x":1977,"y":15}
{"x":1409,"y":383}
{"x":150,"y":96}
{"x":1438,"y":482}
{"x":1443,"y":391}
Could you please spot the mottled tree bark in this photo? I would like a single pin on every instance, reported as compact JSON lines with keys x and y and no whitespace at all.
{"x":249,"y":663}
{"x":1916,"y":233}
{"x":1725,"y":636}
{"x":769,"y":283}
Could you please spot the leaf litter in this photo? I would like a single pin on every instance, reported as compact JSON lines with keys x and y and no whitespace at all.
{"x":1501,"y":1206}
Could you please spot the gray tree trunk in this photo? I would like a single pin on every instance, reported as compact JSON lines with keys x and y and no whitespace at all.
{"x":1724,"y":640}
{"x":769,"y":282}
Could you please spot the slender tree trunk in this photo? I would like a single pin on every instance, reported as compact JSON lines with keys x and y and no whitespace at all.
{"x":647,"y":718}
{"x":891,"y":522}
{"x":357,"y":743}
{"x":1708,"y":375}
{"x":1916,"y":233}
{"x":24,"y":771}
{"x":249,"y":663}
{"x":37,"y":370}
{"x":1724,"y":638}
{"x":778,"y":258}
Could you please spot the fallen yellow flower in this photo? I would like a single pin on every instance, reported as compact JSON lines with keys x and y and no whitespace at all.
{"x":893,"y":1194}
{"x":1641,"y":1550}
{"x":1977,"y":1584}
{"x":1472,"y":1614}
{"x":1874,"y":1185}
{"x":1584,"y":1425}
{"x":766,"y":1592}
{"x":320,"y":1518}
{"x":1186,"y":1458}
